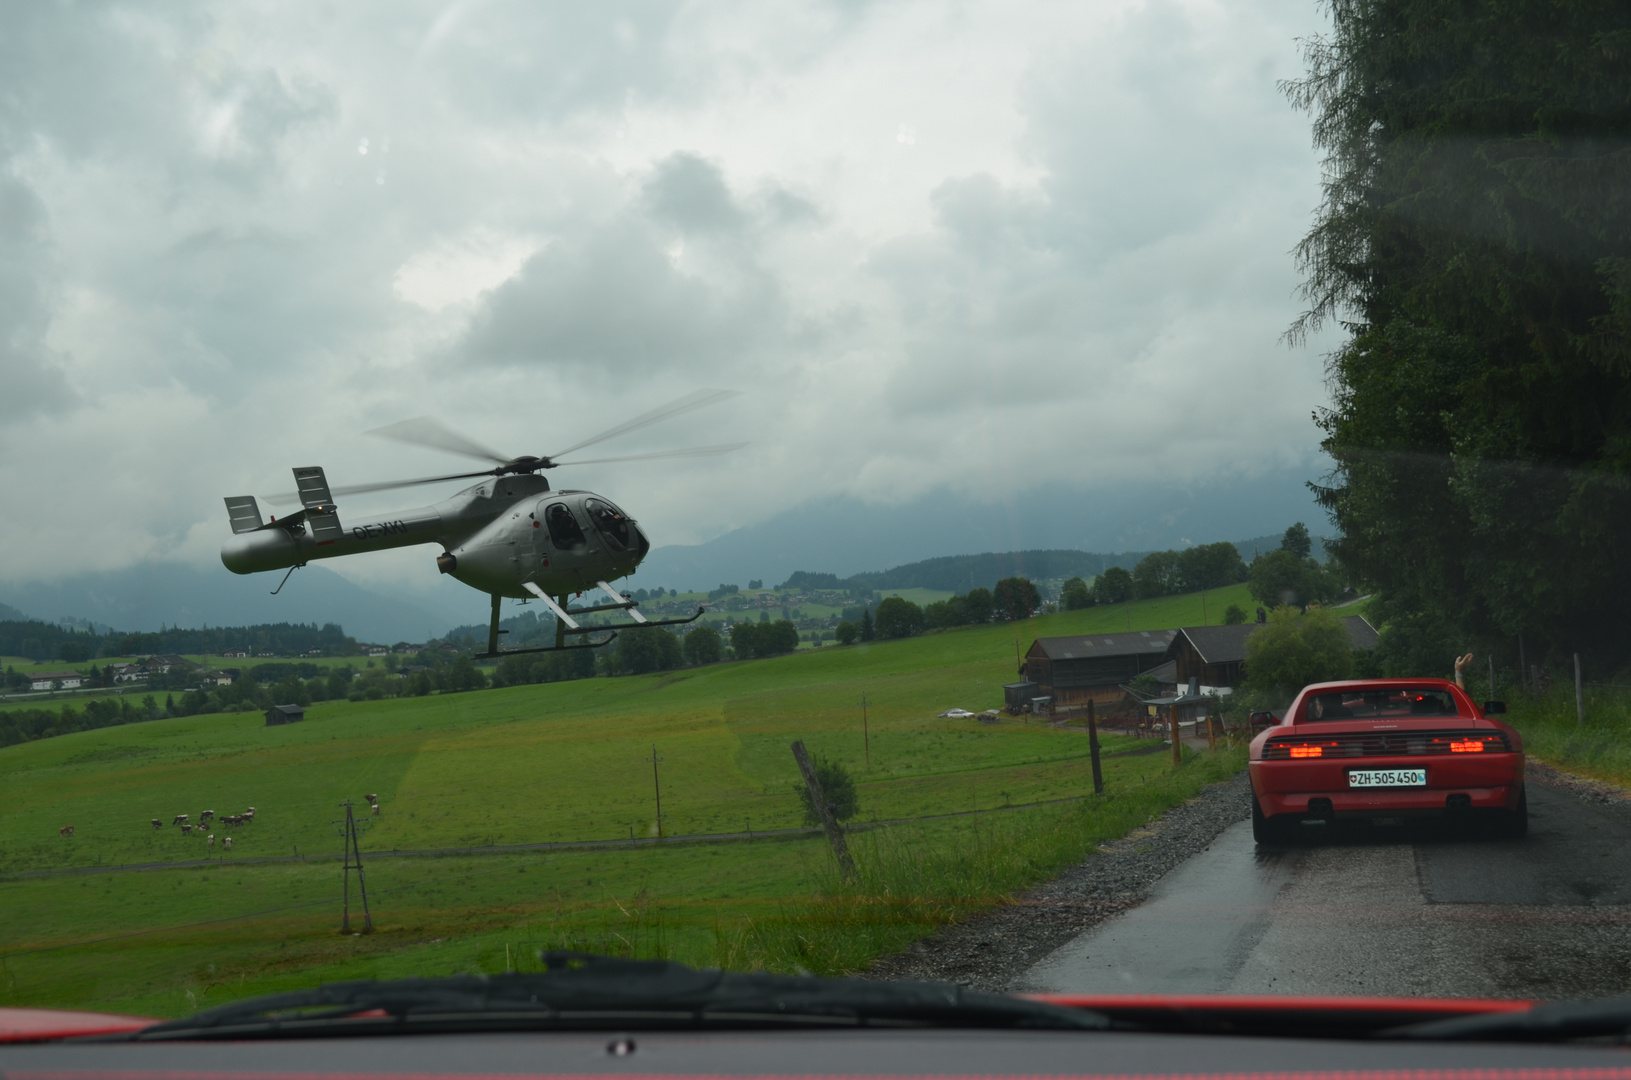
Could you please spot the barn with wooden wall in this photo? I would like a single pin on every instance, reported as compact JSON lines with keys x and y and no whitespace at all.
{"x":1216,"y":655}
{"x":1076,"y":670}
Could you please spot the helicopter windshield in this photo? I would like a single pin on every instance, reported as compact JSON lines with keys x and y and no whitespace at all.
{"x":564,"y":529}
{"x":612,"y":523}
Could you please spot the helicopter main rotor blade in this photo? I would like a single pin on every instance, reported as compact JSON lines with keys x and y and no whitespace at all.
{"x":692,"y":451}
{"x":674,"y":408}
{"x":391,"y":485}
{"x":387,"y":485}
{"x":426,"y":431}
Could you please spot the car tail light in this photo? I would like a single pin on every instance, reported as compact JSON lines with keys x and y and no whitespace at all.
{"x":1307,"y":751}
{"x":1466,"y":746}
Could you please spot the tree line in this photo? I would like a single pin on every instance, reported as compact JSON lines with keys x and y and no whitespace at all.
{"x":39,"y":640}
{"x":1474,"y":245}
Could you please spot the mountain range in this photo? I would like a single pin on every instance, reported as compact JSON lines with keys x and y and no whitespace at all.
{"x":846,"y":536}
{"x":843,"y":536}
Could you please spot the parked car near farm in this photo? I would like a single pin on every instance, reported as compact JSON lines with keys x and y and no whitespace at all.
{"x":1386,"y":748}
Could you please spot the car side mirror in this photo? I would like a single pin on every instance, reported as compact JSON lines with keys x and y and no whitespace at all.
{"x":1494,"y":708}
{"x":1262,"y":719}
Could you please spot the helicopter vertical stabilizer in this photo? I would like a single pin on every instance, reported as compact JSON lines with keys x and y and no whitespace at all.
{"x":244,"y":513}
{"x":319,"y":504}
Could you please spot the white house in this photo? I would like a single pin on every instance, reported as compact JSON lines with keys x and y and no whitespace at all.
{"x":56,"y":680}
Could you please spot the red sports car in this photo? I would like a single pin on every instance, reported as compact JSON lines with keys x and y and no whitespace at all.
{"x":1386,"y":748}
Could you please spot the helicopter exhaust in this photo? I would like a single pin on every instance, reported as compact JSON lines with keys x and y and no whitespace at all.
{"x":447,"y":562}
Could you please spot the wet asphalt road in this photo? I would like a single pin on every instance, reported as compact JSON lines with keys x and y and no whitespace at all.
{"x":1418,"y":909}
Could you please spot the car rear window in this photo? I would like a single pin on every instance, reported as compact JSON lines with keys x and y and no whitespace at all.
{"x":1361,"y":704}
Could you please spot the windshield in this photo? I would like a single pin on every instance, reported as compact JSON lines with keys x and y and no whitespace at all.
{"x":850,"y":488}
{"x":1390,"y":703}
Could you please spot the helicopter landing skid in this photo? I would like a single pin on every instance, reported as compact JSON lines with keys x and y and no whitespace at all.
{"x":499,"y":654}
{"x":641,"y":623}
{"x":571,"y":624}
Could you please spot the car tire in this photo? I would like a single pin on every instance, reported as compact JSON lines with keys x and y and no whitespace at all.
{"x":1266,"y":830}
{"x":1515,"y":822}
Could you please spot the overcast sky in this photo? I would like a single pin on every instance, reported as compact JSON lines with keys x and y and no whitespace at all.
{"x":964,"y":246}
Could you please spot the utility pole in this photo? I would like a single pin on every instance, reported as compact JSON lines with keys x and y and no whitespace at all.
{"x":1093,"y":749}
{"x":866,"y":733}
{"x":352,"y":857}
{"x":657,"y":787}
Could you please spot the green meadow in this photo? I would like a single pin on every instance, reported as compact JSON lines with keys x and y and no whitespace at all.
{"x":560,"y":762}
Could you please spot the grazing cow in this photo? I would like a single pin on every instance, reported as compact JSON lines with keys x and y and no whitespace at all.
{"x":157,"y":824}
{"x":205,"y":816}
{"x":376,"y":809}
{"x":227,"y":843}
{"x":372,"y":799}
{"x":66,"y":830}
{"x":212,"y":839}
{"x":185,"y":829}
{"x":181,"y":819}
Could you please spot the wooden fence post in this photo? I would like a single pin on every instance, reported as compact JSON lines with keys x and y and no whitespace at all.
{"x":818,"y":798}
{"x":1579,"y":694}
{"x":1093,"y":748}
{"x":1177,"y":743}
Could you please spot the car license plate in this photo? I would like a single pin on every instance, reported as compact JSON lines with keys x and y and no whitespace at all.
{"x":1387,"y":778}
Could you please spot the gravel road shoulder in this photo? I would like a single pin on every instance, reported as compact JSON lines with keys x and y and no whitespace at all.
{"x":989,"y":951}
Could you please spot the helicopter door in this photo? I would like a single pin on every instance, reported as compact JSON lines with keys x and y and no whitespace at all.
{"x":611,"y":523}
{"x":564,"y":531}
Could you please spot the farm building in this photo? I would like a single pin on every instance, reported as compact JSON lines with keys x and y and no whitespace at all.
{"x":1076,"y":670}
{"x":284,"y":714}
{"x":56,"y":680}
{"x":1215,"y":656}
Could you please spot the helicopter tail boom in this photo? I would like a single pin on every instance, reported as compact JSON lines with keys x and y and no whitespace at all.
{"x":306,"y":535}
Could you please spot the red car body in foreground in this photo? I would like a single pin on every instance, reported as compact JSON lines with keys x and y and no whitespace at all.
{"x":1386,"y":748}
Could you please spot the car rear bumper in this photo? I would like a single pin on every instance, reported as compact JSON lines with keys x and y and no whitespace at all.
{"x":1301,"y":788}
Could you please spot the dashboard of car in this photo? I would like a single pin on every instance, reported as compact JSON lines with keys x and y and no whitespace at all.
{"x":868,"y":1053}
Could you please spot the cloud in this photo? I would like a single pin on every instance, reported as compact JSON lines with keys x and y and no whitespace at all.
{"x":32,"y":380}
{"x":671,"y":281}
{"x":941,"y":247}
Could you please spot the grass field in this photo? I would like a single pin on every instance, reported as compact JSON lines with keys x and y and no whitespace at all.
{"x":564,"y":761}
{"x":1599,"y":748}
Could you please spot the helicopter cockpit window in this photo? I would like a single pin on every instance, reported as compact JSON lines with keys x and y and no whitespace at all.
{"x":612,"y":523}
{"x":563,"y":527}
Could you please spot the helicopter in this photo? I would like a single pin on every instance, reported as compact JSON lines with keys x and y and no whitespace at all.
{"x":511,"y":535}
